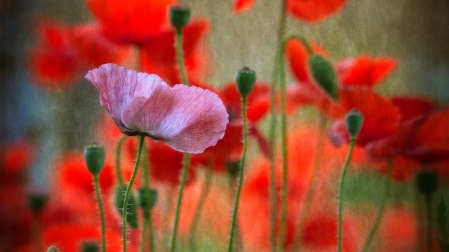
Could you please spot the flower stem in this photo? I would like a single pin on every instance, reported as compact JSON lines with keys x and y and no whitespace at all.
{"x":284,"y":188}
{"x":128,"y":189}
{"x":381,"y":211}
{"x":340,"y":194}
{"x":241,"y":172}
{"x":272,"y":130}
{"x":185,"y":171}
{"x":313,"y":184}
{"x":147,"y":222}
{"x":199,"y":208}
{"x":118,"y":154}
{"x":100,"y":207}
{"x":180,"y":58}
{"x":428,"y":200}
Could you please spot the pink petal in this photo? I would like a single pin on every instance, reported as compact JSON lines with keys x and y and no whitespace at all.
{"x":189,"y":119}
{"x":118,"y":86}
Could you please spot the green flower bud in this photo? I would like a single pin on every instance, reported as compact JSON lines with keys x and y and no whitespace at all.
{"x":119,"y":198}
{"x":90,"y":246}
{"x":427,"y":182}
{"x":179,"y":16}
{"x":147,"y":197}
{"x":37,"y":201}
{"x":52,"y":249}
{"x":94,"y":157}
{"x":245,"y":79}
{"x":354,"y":122}
{"x":233,"y":168}
{"x":323,"y":72}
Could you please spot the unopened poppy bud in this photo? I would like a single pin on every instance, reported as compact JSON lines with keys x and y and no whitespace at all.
{"x":37,"y":201}
{"x":427,"y":182}
{"x":119,"y":198}
{"x":233,"y":168}
{"x":323,"y":72}
{"x":245,"y":79}
{"x":52,"y":249}
{"x":354,"y":122}
{"x":90,"y":246}
{"x":94,"y":157}
{"x":179,"y":16}
{"x":147,"y":197}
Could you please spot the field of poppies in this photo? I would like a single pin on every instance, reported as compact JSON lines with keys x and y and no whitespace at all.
{"x":139,"y":148}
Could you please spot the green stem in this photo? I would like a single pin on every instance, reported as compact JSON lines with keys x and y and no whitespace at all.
{"x":100,"y":207}
{"x":147,"y":222}
{"x":381,"y":211}
{"x":118,"y":154}
{"x":313,"y":184}
{"x":185,"y":171}
{"x":241,"y":172}
{"x":128,"y":189}
{"x":200,"y":206}
{"x":284,"y":188}
{"x":180,"y":58}
{"x":272,"y":130}
{"x":37,"y":233}
{"x":428,"y":200}
{"x":340,"y":194}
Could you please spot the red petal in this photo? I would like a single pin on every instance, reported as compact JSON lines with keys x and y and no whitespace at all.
{"x":412,"y":107}
{"x":242,"y":5}
{"x":365,"y":70}
{"x":297,"y":57}
{"x":313,"y":10}
{"x":131,"y":21}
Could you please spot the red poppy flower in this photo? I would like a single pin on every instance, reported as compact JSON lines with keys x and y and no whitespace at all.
{"x":93,"y":49}
{"x":53,"y":62}
{"x":158,"y":54}
{"x":306,"y":10}
{"x":313,"y":10}
{"x":72,"y":172}
{"x":398,"y":231}
{"x":133,"y":21}
{"x":242,"y":5}
{"x":16,"y":157}
{"x":365,"y":70}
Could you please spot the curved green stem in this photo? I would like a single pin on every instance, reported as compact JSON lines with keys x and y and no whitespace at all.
{"x":200,"y":206}
{"x":340,"y":194}
{"x":381,"y":211}
{"x":185,"y":171}
{"x":118,"y":154}
{"x":313,"y":184}
{"x":272,"y":130}
{"x":100,"y":207}
{"x":180,"y":58}
{"x":147,"y":222}
{"x":128,"y":189}
{"x":241,"y":172}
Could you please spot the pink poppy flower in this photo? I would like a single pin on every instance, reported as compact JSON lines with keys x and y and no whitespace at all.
{"x":188,"y":119}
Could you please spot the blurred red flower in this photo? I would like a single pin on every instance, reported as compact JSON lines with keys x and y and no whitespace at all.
{"x":64,"y":52}
{"x":133,"y":21}
{"x":357,"y":77}
{"x":158,"y":54}
{"x":306,"y":10}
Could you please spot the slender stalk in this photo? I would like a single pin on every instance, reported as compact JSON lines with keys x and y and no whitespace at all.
{"x":37,"y":234}
{"x":180,"y":58}
{"x":199,"y":208}
{"x":272,"y":131}
{"x":118,"y":154}
{"x":185,"y":171}
{"x":381,"y":211}
{"x":340,"y":194}
{"x":241,"y":172}
{"x":428,"y":200}
{"x":100,"y":207}
{"x":128,"y":189}
{"x":313,"y":184}
{"x":147,"y":222}
{"x":284,"y":188}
